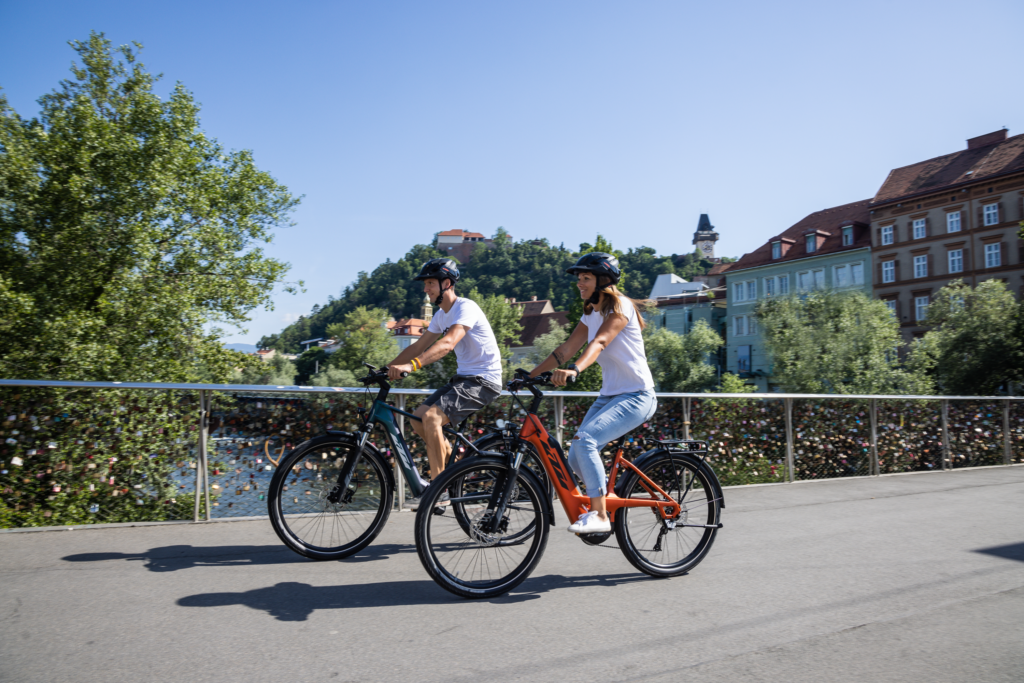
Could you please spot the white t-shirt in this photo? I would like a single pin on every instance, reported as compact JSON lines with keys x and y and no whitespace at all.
{"x":624,"y":362}
{"x":477,"y":351}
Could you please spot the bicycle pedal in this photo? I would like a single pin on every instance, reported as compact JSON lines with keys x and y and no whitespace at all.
{"x":438,"y":510}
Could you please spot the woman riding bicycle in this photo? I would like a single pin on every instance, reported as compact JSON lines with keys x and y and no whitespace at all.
{"x":611,"y":326}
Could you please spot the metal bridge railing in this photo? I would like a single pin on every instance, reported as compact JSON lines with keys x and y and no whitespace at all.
{"x":74,"y":453}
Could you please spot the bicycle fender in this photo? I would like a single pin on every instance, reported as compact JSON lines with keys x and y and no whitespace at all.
{"x":641,"y":460}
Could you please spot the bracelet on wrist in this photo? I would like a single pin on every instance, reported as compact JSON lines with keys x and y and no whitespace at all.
{"x":417,"y":365}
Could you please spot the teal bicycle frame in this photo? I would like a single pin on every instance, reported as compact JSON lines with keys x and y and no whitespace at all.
{"x":383,"y":414}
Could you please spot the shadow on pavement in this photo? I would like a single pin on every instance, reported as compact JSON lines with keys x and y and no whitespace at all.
{"x":174,"y":557}
{"x":1014,"y":551}
{"x":294,"y":601}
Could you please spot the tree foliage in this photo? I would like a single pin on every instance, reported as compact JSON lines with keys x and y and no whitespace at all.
{"x":362,"y":338}
{"x":679,"y":362}
{"x":125,"y":231}
{"x":278,"y":371}
{"x":829,"y":342}
{"x":732,"y":384}
{"x":977,"y":346}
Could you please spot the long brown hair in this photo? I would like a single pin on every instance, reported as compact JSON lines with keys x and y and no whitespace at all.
{"x":613,"y":299}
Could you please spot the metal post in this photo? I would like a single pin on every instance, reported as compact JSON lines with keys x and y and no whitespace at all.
{"x":559,"y":415}
{"x":202,"y":476}
{"x":1006,"y":432}
{"x":686,"y":418}
{"x":875,"y":466}
{"x":399,"y":479}
{"x":201,"y":446}
{"x":947,"y":458}
{"x":790,"y":459}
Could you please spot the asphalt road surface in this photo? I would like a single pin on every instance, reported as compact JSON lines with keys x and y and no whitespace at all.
{"x":905,"y":578}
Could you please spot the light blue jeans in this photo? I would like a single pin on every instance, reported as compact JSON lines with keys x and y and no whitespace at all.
{"x":608,"y":418}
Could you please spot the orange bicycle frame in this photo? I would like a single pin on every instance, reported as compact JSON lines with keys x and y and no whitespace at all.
{"x":574,"y":502}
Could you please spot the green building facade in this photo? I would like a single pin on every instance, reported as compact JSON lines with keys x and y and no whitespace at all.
{"x":827,"y":249}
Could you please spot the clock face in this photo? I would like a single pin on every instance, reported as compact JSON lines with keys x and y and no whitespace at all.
{"x":707,"y":247}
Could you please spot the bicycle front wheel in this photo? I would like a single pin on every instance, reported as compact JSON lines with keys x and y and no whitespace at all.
{"x":481,"y":561}
{"x":303,"y":516}
{"x":669,"y":549}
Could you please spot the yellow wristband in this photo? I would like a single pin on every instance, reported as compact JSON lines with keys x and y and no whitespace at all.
{"x":416,"y":365}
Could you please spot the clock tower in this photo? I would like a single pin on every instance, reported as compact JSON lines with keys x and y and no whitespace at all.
{"x":705,"y":237}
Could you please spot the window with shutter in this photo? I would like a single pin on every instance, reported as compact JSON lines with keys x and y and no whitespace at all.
{"x":920,"y":266}
{"x":888,"y":234}
{"x":889,"y":271}
{"x":956,"y":260}
{"x":920,"y":308}
{"x":919,"y":229}
{"x":993,"y":255}
{"x":953,"y":221}
{"x":991,"y":214}
{"x":857,"y":274}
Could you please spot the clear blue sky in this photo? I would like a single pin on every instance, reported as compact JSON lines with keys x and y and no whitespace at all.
{"x":553,"y":119}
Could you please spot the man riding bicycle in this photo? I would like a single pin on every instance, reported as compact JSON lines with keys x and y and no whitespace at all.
{"x":458,"y":325}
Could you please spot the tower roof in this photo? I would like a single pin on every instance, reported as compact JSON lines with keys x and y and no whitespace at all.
{"x":704,"y":224}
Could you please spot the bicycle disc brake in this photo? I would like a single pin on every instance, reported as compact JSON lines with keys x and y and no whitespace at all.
{"x":477,"y":524}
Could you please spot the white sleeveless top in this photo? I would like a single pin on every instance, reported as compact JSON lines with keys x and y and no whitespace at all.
{"x":624,"y":362}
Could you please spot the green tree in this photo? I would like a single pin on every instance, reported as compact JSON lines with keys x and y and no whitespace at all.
{"x":278,"y":371}
{"x":732,"y":384}
{"x":680,"y":362}
{"x":977,"y":344}
{"x":829,"y":342}
{"x":309,"y":363}
{"x":125,"y":231}
{"x":362,"y":338}
{"x":335,"y":377}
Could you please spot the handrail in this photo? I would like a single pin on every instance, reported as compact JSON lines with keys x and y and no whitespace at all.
{"x":264,"y":388}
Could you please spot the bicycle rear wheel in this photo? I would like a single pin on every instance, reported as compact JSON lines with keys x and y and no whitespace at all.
{"x":303,"y":517}
{"x":660,"y":549}
{"x":480,"y":561}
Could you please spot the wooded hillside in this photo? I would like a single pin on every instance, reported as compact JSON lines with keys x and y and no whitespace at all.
{"x":512,"y":269}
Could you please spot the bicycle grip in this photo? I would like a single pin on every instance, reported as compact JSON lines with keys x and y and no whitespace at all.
{"x":405,"y":374}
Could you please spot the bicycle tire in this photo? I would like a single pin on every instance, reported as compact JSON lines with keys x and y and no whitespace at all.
{"x":645,"y":541}
{"x":476,"y":564}
{"x":307,"y":522}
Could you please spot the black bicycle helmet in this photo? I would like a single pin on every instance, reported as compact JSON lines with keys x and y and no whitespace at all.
{"x":598,"y":263}
{"x":439,"y":269}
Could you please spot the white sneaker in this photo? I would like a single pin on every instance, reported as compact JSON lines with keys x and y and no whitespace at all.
{"x":590,"y":523}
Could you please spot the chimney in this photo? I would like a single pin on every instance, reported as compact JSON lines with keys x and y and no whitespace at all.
{"x":533,"y":298}
{"x":513,"y":300}
{"x":986,"y":140}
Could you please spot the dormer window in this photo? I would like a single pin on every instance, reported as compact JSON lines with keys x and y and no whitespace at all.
{"x":776,"y":250}
{"x":812,"y":243}
{"x":848,"y":237}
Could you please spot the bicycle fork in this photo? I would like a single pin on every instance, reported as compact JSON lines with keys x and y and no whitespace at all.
{"x":503,"y":490}
{"x":341,"y":493}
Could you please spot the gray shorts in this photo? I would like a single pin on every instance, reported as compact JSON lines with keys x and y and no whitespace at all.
{"x":463,"y":396}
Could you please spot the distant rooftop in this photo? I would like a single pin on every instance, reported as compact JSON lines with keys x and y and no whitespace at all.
{"x":986,"y":156}
{"x":670,"y":284}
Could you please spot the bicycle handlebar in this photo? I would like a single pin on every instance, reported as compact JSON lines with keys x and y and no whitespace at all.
{"x":377,"y":375}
